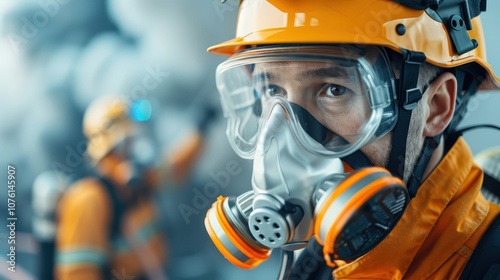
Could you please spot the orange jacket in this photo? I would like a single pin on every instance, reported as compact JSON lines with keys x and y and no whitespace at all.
{"x":82,"y":241}
{"x":439,"y":230}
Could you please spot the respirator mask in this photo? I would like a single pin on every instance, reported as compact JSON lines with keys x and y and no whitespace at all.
{"x":141,"y":157}
{"x":138,"y":146}
{"x":295,"y":111}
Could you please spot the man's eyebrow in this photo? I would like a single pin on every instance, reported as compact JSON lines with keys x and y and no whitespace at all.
{"x":328,"y":72}
{"x":259,"y":76}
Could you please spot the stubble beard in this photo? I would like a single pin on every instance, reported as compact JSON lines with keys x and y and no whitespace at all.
{"x":379,"y":152}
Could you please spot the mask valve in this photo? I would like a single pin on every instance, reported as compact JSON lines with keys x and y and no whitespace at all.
{"x":272,"y":223}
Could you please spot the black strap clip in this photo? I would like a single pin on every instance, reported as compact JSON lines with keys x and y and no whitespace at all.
{"x":409,"y":78}
{"x":457,"y":16}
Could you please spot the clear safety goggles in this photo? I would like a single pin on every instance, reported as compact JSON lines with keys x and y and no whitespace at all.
{"x":342,"y":97}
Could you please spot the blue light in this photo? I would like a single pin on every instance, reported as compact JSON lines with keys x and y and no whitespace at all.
{"x":141,"y":110}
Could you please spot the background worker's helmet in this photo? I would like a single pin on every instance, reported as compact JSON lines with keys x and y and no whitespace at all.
{"x":449,"y":34}
{"x":109,"y":121}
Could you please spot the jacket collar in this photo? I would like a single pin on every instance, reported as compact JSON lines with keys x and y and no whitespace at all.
{"x":444,"y":214}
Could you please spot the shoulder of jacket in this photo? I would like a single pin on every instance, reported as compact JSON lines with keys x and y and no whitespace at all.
{"x":86,"y":190}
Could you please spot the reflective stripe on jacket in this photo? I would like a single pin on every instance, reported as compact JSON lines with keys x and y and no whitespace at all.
{"x":83,"y":247}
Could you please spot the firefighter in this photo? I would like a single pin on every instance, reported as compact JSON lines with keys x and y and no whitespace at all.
{"x":106,"y":223}
{"x":350,"y":112}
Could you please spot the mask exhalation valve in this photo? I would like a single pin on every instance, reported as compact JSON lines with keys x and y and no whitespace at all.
{"x":269,"y":228}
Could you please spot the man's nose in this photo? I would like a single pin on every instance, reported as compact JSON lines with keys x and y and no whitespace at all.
{"x":299,"y":96}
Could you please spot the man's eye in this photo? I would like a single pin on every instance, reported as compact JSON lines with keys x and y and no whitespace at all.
{"x":271,"y":90}
{"x":334,"y":90}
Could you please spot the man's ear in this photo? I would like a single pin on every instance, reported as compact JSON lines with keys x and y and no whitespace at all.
{"x":442,"y":94}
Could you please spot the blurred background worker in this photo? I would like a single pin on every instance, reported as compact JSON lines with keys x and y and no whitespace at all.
{"x":106,"y":223}
{"x":99,"y":215}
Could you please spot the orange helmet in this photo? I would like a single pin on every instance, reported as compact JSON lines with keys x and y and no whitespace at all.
{"x":412,"y":26}
{"x":108,"y":121}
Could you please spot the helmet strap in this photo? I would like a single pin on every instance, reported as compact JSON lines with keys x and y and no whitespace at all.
{"x":408,"y":96}
{"x":430,"y":144}
{"x":398,"y":153}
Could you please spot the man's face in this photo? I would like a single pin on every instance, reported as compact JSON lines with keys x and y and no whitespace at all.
{"x":334,"y":94}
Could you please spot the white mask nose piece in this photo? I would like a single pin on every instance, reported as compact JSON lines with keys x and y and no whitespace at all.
{"x":285,"y":173}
